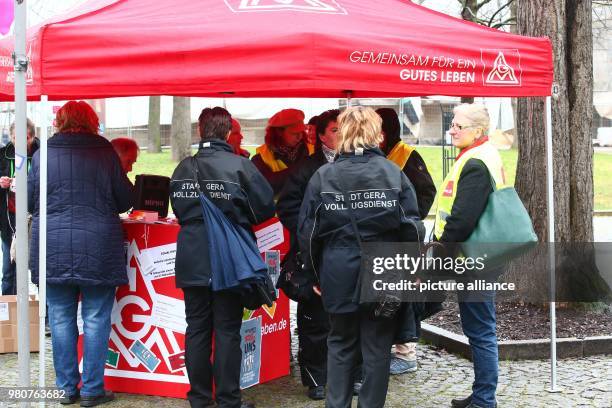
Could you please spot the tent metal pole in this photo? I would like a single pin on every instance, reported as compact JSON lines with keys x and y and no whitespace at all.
{"x":551,"y":246}
{"x":349,"y":96}
{"x":21,"y":166}
{"x":42,"y":249}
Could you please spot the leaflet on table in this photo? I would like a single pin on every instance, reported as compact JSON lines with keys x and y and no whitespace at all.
{"x":169,"y":313}
{"x":157,"y":262}
{"x":270,"y":236}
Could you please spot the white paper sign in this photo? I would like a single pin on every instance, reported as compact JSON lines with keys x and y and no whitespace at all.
{"x":270,"y":236}
{"x":169,"y":313}
{"x":145,"y":264}
{"x":19,"y":159}
{"x":157,"y":262}
{"x":4,"y":312}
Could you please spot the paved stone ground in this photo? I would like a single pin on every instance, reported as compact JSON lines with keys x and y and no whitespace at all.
{"x":441,"y":377}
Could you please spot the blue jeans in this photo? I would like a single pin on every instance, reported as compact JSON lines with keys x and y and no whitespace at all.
{"x":9,"y":282}
{"x":96,"y":306}
{"x":479,"y":325}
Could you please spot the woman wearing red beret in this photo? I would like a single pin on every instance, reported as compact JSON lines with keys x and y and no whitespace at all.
{"x":285,"y":145}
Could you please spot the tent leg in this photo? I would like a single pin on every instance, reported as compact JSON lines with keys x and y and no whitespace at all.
{"x":42,"y":249}
{"x":23,"y":321}
{"x":349,"y":97}
{"x":551,"y":247}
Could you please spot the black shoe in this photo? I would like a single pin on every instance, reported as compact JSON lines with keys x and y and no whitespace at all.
{"x":247,"y":405}
{"x":108,"y":396}
{"x":70,"y":399}
{"x":465,"y":403}
{"x":461,"y":403}
{"x":316,"y":393}
{"x":357,"y":388}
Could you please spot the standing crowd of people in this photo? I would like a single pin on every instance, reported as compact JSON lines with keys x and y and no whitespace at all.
{"x":300,"y":170}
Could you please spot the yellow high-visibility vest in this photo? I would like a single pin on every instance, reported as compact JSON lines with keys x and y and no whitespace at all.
{"x":447,"y":193}
{"x":267,"y":155}
{"x":276,"y":165}
{"x":311,"y":148}
{"x":400,"y":154}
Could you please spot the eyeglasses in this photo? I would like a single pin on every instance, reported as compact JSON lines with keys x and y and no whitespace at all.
{"x":453,"y":125}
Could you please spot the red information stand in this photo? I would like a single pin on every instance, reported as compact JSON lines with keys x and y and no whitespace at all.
{"x":147,"y":342}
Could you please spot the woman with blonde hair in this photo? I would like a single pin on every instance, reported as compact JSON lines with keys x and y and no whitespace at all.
{"x":361,"y":196}
{"x":462,"y":199}
{"x":87,"y":190}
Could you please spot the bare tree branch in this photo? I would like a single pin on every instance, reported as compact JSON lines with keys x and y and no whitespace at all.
{"x":507,"y":22}
{"x":471,"y":13}
{"x":508,"y":3}
{"x":482,"y":4}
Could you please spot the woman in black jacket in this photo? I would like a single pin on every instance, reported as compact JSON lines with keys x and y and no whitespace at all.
{"x":385,"y":209}
{"x":462,"y":200}
{"x":414,"y":167}
{"x":235,"y":186}
{"x":284,"y":148}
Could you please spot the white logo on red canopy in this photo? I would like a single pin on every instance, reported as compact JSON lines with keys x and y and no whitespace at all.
{"x":308,"y":6}
{"x":501,"y":67}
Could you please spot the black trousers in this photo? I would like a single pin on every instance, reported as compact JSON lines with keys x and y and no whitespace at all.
{"x":313,"y":328}
{"x":354,"y":337}
{"x":207,"y":312}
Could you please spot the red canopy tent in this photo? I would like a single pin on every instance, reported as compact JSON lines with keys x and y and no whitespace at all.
{"x":268,"y":48}
{"x":247,"y":48}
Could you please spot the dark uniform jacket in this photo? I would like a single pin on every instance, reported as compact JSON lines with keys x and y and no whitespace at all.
{"x":386,"y":210}
{"x":292,"y":194}
{"x":288,"y":210}
{"x":234,"y":185}
{"x":87,"y":189}
{"x":7,"y":198}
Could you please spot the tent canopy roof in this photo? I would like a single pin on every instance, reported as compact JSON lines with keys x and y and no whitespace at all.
{"x":263,"y":48}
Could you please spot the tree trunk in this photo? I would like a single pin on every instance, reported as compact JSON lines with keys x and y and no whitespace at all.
{"x":580,"y":96}
{"x":568,"y":24}
{"x":537,"y":18}
{"x":154,"y":137}
{"x":180,"y":132}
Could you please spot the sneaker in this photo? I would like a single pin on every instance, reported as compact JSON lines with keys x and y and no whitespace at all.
{"x":70,"y":399}
{"x":357,"y":387}
{"x":401,"y":366}
{"x":316,"y":393}
{"x":108,"y":396}
{"x":247,"y":405}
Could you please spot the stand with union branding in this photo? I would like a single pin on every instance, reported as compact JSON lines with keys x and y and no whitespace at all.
{"x":147,"y":341}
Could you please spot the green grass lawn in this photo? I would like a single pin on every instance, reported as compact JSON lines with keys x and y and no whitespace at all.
{"x":162,"y":164}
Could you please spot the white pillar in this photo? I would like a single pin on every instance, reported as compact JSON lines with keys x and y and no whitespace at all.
{"x":551,"y":246}
{"x":21,"y":167}
{"x":42,"y":245}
